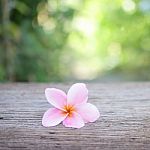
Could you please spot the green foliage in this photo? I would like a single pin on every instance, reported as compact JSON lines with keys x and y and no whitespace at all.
{"x":36,"y":43}
{"x":50,"y":40}
{"x":119,"y":37}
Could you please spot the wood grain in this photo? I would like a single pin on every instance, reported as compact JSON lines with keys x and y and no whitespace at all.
{"x":124,"y":123}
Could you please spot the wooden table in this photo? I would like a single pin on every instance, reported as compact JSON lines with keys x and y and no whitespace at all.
{"x":124,"y":123}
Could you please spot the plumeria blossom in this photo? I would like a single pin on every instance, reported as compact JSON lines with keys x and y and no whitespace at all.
{"x":72,"y":108}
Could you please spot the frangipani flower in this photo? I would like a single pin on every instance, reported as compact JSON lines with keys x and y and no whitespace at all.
{"x":71,"y":109}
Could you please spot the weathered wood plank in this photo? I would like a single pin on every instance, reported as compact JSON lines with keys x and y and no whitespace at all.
{"x":124,"y":123}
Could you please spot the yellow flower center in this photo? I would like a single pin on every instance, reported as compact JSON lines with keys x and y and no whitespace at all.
{"x":69,"y":109}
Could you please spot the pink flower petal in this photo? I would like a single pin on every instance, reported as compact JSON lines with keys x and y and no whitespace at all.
{"x":53,"y":117}
{"x":74,"y":121}
{"x":77,"y":94}
{"x":88,"y":112}
{"x":56,"y":97}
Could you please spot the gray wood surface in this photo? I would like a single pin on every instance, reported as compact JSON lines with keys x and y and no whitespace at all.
{"x":124,"y":123}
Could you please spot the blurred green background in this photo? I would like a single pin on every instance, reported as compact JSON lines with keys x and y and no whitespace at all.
{"x":63,"y":40}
